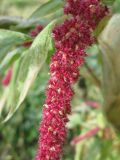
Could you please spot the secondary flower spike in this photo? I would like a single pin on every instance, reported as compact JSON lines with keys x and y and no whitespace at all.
{"x":7,"y":77}
{"x":71,"y":39}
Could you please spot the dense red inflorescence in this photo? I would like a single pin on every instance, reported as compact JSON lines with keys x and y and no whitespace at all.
{"x":71,"y":39}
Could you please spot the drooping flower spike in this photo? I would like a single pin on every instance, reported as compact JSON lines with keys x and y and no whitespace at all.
{"x":71,"y":39}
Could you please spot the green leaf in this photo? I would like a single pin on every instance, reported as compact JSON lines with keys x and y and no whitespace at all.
{"x":10,"y":39}
{"x":101,"y":26}
{"x":3,"y":100}
{"x":43,"y":15}
{"x":108,"y":2}
{"x":11,"y":96}
{"x":10,"y":58}
{"x":109,"y":44}
{"x":30,"y":65}
{"x":47,"y":8}
{"x":7,"y":21}
{"x":116,"y":6}
{"x":31,"y":22}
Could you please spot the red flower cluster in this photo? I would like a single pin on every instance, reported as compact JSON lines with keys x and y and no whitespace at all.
{"x":92,"y":11}
{"x":71,"y":39}
{"x":36,"y":31}
{"x":33,"y":33}
{"x":7,"y":77}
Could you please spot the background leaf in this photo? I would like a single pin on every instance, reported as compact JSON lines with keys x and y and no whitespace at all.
{"x":10,"y":58}
{"x":30,"y":65}
{"x":48,"y":8}
{"x":108,"y":2}
{"x":9,"y":40}
{"x":101,"y":26}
